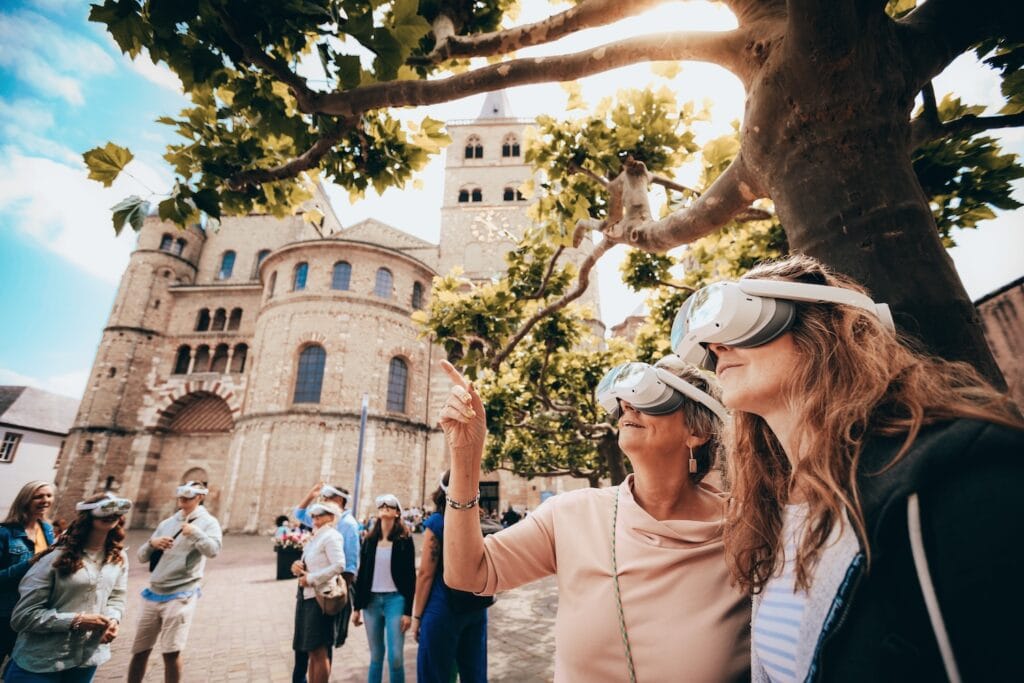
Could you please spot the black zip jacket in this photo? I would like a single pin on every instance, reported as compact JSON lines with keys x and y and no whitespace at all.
{"x":403,"y":571}
{"x":969,"y":477}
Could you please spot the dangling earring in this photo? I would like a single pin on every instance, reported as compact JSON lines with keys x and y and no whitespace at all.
{"x":693,"y":462}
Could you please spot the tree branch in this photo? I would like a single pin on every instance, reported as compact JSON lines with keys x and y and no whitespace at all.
{"x":305,"y":161}
{"x":727,"y":198}
{"x":275,"y":66}
{"x":587,"y":14}
{"x":547,"y":274}
{"x":937,"y":32}
{"x":923,"y":131}
{"x":582,"y":282}
{"x":724,"y":48}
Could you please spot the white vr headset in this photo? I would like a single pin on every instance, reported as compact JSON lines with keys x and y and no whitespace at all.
{"x":651,"y":390}
{"x":329,"y":491}
{"x":105,"y":507}
{"x":191,"y":489}
{"x":752,"y":312}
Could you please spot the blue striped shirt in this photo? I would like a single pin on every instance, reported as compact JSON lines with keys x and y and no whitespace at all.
{"x":777,"y":625}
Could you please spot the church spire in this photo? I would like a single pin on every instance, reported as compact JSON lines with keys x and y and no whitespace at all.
{"x":496,"y":106}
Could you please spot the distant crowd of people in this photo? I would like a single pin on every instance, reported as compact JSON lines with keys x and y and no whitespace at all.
{"x":863,"y":528}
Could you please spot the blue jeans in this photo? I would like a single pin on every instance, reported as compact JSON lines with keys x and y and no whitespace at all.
{"x":82,"y":674}
{"x":449,"y":640}
{"x":383,"y":616}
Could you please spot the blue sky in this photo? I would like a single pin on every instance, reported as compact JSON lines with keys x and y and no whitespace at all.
{"x":65,"y":88}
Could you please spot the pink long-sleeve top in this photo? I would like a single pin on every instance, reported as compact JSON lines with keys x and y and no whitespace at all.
{"x":684,"y":620}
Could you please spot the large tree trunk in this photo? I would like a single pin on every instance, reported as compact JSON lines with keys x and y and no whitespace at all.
{"x":615,"y":460}
{"x":827,"y":136}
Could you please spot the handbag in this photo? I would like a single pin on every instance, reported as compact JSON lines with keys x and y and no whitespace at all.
{"x":332,"y":596}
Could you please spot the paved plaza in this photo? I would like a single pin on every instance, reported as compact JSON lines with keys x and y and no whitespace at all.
{"x":243,"y":629}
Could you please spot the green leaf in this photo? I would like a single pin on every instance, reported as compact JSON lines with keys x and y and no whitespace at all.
{"x":208,"y":201}
{"x":106,"y":163}
{"x":131,"y":210}
{"x":124,"y":22}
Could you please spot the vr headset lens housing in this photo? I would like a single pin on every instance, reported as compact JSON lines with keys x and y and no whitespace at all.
{"x":106,"y":507}
{"x":650,"y":390}
{"x":750,"y":313}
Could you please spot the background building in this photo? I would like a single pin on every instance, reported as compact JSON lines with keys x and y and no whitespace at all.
{"x":240,"y":356}
{"x":33,"y":426}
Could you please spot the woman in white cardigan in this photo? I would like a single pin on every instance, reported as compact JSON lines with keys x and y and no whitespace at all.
{"x":323,"y":558}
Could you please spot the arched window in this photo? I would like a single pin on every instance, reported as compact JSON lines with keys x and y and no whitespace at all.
{"x":310,"y":376}
{"x":202,"y":363}
{"x":227,"y":265}
{"x":385,"y":282}
{"x":179,"y":246}
{"x":235,"y":321}
{"x":238,"y":358}
{"x":166,"y":242}
{"x":342,"y":275}
{"x":474,"y":148}
{"x":477,"y":195}
{"x":508,"y":194}
{"x":181,"y":360}
{"x":203,"y":320}
{"x":272,"y":285}
{"x":220,"y":319}
{"x":398,"y":379}
{"x":417,"y":296}
{"x":510,"y":146}
{"x":299,"y":280}
{"x":220,"y":359}
{"x":463,"y":196}
{"x":263,"y":253}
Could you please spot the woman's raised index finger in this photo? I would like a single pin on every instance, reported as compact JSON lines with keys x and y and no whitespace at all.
{"x":453,"y":374}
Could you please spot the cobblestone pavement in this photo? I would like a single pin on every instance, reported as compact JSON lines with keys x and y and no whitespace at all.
{"x":243,"y":626}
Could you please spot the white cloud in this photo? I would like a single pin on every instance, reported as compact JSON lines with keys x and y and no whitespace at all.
{"x":47,"y":58}
{"x":58,"y":206}
{"x":68,"y":384}
{"x":159,"y":74}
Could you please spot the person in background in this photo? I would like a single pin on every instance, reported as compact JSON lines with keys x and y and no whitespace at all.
{"x":348,"y":527}
{"x":644,"y":592}
{"x":323,"y":558}
{"x":385,"y":588}
{"x":283,"y":527}
{"x":875,"y":514}
{"x":72,"y":599}
{"x":451,"y":628}
{"x":23,"y":533}
{"x":182,"y":543}
{"x":510,"y":517}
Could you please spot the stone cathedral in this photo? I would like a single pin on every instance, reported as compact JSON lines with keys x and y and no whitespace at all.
{"x":241,"y":356}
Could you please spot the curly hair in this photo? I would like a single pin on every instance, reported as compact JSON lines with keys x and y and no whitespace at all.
{"x":856,"y":380}
{"x":72,"y":543}
{"x":697,"y":416}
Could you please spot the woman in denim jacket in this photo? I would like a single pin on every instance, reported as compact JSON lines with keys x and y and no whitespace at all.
{"x":23,"y":533}
{"x":73,"y":598}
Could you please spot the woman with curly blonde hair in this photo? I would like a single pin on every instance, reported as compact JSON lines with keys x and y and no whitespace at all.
{"x":873,"y":508}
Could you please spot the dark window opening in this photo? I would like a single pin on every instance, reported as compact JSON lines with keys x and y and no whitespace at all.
{"x":398,"y":379}
{"x":341,"y":278}
{"x":181,"y":361}
{"x":310,"y":376}
{"x":203,"y":320}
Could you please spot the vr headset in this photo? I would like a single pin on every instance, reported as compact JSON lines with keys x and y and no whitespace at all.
{"x":751,"y":312}
{"x":191,"y":489}
{"x":651,"y":390}
{"x":105,"y":507}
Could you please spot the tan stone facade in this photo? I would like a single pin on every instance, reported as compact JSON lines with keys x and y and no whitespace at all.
{"x":199,"y":369}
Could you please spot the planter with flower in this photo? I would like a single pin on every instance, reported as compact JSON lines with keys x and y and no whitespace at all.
{"x":288,"y":546}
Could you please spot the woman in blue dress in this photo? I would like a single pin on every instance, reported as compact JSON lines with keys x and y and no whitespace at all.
{"x":450,"y":626}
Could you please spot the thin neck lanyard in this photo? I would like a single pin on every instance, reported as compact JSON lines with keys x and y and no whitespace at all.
{"x":618,"y":595}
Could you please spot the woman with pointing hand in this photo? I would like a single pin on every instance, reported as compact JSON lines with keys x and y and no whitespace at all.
{"x":643,"y":588}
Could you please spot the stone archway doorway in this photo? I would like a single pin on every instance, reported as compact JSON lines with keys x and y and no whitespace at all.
{"x":195,"y":435}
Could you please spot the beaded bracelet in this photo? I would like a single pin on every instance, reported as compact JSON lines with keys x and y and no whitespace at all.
{"x":456,"y":505}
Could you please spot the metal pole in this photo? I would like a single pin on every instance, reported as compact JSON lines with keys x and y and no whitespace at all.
{"x":359,"y":455}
